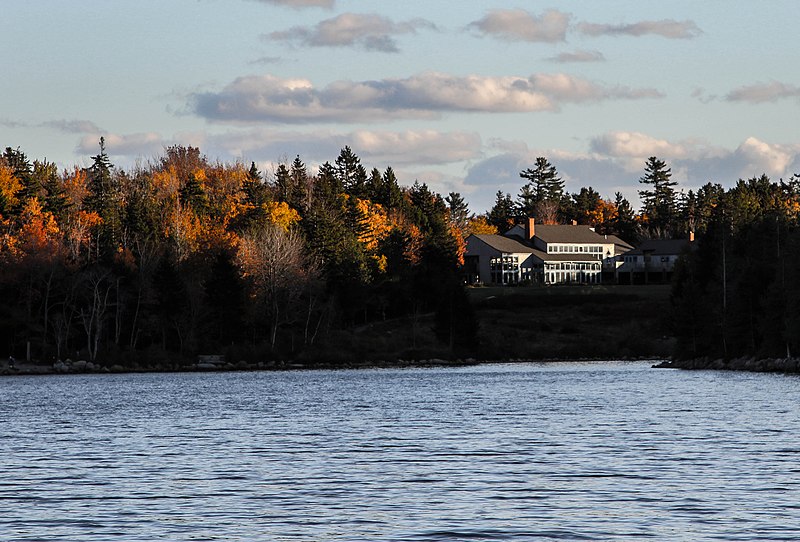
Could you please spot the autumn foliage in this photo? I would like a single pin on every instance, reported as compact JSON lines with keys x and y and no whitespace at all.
{"x":185,"y":255}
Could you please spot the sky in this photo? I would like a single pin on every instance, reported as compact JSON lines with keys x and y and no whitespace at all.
{"x":459,"y":95}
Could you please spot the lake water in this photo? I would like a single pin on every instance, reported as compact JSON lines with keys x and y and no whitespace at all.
{"x":562,"y":451}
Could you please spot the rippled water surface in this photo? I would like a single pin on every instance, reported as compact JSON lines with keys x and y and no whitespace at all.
{"x":581,"y":451}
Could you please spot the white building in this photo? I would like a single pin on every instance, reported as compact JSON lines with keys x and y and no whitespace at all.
{"x":549,"y":254}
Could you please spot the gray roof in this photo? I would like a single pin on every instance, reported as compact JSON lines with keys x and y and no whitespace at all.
{"x":661,"y":247}
{"x":560,"y":233}
{"x":618,"y":242}
{"x":504,"y":244}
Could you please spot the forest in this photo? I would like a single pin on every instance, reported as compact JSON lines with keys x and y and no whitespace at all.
{"x":184,"y":255}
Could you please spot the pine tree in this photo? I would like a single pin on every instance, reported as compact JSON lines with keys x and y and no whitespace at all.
{"x":351,"y":173}
{"x":624,"y":223}
{"x":104,"y":199}
{"x":502,"y":214}
{"x":255,"y":191}
{"x":545,"y":184}
{"x":459,"y":210}
{"x":527,"y":201}
{"x":658,"y":199}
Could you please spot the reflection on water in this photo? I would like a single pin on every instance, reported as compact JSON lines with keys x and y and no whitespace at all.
{"x":582,"y":451}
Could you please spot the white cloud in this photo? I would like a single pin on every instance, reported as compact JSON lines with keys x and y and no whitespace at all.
{"x":252,"y":99}
{"x":764,"y":92}
{"x":635,"y":145}
{"x":521,"y":25}
{"x":131,"y":146}
{"x":366,"y":31}
{"x":383,"y":148}
{"x":666,"y":28}
{"x":616,"y":161}
{"x":578,"y":56}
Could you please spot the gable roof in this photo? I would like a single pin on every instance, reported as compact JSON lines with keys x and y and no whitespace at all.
{"x":504,"y":244}
{"x":560,"y":233}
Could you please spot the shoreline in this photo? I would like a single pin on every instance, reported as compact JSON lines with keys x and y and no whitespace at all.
{"x":752,"y":365}
{"x":83,"y":367}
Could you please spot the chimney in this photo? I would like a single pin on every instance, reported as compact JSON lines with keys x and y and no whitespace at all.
{"x":530,"y":228}
{"x":691,"y":236}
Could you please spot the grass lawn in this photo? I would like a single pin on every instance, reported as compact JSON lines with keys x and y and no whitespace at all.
{"x":569,"y":322}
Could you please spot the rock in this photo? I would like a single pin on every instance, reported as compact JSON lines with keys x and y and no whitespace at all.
{"x":79,"y":366}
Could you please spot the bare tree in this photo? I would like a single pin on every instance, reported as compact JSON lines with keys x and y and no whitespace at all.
{"x":97,"y":288}
{"x":276,"y":263}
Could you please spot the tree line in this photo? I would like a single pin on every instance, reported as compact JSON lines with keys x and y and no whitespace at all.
{"x":737,"y":293}
{"x":665,"y":212}
{"x":185,"y":255}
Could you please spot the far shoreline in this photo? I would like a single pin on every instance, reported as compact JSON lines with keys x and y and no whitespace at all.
{"x":85,"y":368}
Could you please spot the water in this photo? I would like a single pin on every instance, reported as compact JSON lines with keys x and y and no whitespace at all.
{"x":581,"y":451}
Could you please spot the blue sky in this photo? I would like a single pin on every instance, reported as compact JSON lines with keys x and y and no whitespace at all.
{"x":460,"y":95}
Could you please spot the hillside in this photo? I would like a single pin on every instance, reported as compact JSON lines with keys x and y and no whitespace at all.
{"x":573,"y":322}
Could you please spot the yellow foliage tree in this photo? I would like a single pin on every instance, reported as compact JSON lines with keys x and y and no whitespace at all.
{"x":479,"y":226}
{"x":280,"y":214}
{"x":9,"y":187}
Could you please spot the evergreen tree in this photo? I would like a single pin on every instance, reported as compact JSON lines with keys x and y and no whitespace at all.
{"x":300,"y":198}
{"x":583,"y":204}
{"x":255,"y":191}
{"x":459,"y":210}
{"x":351,"y":173}
{"x":527,"y":201}
{"x":503,"y":214}
{"x":658,"y":198}
{"x":54,"y":197}
{"x":545,"y":184}
{"x":193,"y":195}
{"x":624,"y":223}
{"x":104,"y":199}
{"x":391,"y":197}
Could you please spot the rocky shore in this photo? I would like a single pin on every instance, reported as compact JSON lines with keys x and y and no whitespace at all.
{"x":213,"y":363}
{"x":769,"y":365}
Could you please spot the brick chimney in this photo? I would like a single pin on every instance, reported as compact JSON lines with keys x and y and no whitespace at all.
{"x":530,"y":228}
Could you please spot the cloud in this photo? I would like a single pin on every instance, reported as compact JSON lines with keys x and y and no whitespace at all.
{"x":425,"y":147}
{"x":263,"y":98}
{"x":366,"y":31}
{"x":298,"y":4}
{"x":133,"y":146}
{"x":578,"y":56}
{"x":764,"y":92}
{"x":615,"y":162}
{"x":635,"y":145}
{"x":521,"y":25}
{"x":666,"y":28}
{"x":266,"y":60}
{"x":68,"y":126}
{"x":73,"y":126}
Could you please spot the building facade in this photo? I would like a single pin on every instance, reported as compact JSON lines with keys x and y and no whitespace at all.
{"x":533,"y":253}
